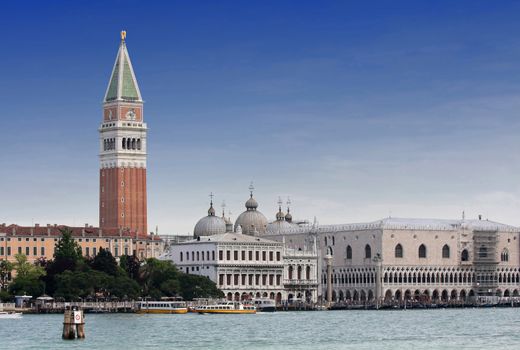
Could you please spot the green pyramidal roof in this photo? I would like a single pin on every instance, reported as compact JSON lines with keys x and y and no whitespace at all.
{"x":123,"y":85}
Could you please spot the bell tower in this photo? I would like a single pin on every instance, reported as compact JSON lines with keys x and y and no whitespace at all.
{"x":122,"y":142}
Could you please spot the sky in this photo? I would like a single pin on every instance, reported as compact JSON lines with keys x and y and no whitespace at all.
{"x":355,"y":110}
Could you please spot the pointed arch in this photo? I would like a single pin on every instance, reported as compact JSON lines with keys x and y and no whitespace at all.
{"x":446,"y":251}
{"x":368,"y":251}
{"x":464,"y":255}
{"x":504,"y":256}
{"x":349,"y":252}
{"x":422,"y":251}
{"x":398,"y":250}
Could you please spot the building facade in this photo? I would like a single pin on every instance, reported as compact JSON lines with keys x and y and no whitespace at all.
{"x":393,"y":260}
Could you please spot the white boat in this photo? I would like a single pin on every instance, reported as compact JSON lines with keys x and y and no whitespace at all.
{"x":161,"y":307}
{"x":4,"y":314}
{"x":265,"y":304}
{"x":228,"y":307}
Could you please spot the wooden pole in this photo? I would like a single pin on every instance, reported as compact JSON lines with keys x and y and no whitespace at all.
{"x":73,"y":324}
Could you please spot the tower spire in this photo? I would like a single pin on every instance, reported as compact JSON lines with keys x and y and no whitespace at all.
{"x":123,"y":84}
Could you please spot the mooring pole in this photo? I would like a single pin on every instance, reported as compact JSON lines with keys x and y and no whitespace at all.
{"x":73,"y":323}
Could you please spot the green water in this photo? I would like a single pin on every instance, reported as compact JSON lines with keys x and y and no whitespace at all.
{"x":400,"y":329}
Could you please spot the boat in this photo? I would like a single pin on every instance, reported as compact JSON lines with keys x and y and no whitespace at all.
{"x":4,"y":314}
{"x":265,"y":305}
{"x":228,"y":307}
{"x":162,"y":307}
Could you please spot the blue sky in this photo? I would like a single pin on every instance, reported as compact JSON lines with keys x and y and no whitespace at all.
{"x":356,"y":110}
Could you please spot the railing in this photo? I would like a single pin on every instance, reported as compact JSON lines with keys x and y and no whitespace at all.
{"x":305,"y":282}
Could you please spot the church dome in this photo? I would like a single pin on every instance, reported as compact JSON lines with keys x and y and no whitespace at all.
{"x":252,"y":221}
{"x":288,"y":216}
{"x":278,"y":226}
{"x":210,"y":225}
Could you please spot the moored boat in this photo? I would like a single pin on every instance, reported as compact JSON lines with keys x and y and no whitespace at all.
{"x":265,"y":305}
{"x":161,"y":307}
{"x":228,"y":307}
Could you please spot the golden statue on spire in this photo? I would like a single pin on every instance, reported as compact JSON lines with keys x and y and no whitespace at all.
{"x":123,"y":35}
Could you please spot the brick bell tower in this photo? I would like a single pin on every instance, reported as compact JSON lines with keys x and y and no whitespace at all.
{"x":122,"y":142}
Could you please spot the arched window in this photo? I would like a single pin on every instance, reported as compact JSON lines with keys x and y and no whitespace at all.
{"x":299,"y":272}
{"x":446,"y":251}
{"x":290,"y":272}
{"x":482,"y":252}
{"x":325,"y":240}
{"x":349,"y":252}
{"x":368,"y":252}
{"x":505,"y":255}
{"x":464,"y":256}
{"x":139,"y":144}
{"x":123,"y":144}
{"x":399,"y":251}
{"x":422,"y":251}
{"x":308,"y":272}
{"x":181,"y":256}
{"x":133,"y":144}
{"x":333,"y":240}
{"x":330,"y":251}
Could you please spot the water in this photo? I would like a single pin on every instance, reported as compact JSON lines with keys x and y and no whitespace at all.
{"x":399,"y":329}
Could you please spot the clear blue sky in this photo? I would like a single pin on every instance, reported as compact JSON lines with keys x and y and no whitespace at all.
{"x":357,"y":110}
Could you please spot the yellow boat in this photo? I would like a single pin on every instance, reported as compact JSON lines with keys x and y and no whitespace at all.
{"x":228,"y":307}
{"x":161,"y":307}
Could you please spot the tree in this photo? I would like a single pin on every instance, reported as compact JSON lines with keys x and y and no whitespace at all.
{"x":28,"y":277}
{"x":194,"y":286}
{"x":105,"y":262}
{"x":130,"y":264}
{"x":6,"y":268}
{"x":153,"y":273}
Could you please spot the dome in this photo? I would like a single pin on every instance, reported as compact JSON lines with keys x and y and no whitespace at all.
{"x":210,"y":225}
{"x":279,"y":226}
{"x":288,"y":216}
{"x":252,"y":222}
{"x":251,"y":203}
{"x":280,"y":215}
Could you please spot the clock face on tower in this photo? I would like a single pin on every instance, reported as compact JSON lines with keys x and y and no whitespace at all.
{"x":130,"y":115}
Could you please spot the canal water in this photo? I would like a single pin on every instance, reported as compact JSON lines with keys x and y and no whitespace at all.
{"x":399,"y":329}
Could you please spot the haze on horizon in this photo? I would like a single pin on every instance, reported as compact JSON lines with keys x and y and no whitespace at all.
{"x":355,"y":111}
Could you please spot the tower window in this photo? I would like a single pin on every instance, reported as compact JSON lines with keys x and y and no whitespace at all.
{"x":422,"y":251}
{"x":123,"y":144}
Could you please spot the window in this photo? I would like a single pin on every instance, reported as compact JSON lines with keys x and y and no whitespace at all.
{"x":220,"y":255}
{"x":464,"y":256}
{"x":399,"y":251}
{"x":422,"y":251}
{"x":504,"y":256}
{"x":349,"y":252}
{"x":228,"y":255}
{"x":87,"y":251}
{"x":116,"y":251}
{"x":35,"y":251}
{"x":198,"y":256}
{"x":213,"y":255}
{"x":271,"y":256}
{"x":446,"y":252}
{"x":278,"y":280}
{"x":19,"y":250}
{"x":264,"y":256}
{"x":1,"y":250}
{"x":221,"y":279}
{"x":8,"y":250}
{"x":94,"y":251}
{"x":243,"y":255}
{"x":257,"y":255}
{"x":290,"y":272}
{"x":42,"y":251}
{"x":277,"y":256}
{"x":482,"y":252}
{"x":368,"y":252}
{"x":250,"y":255}
{"x":308,"y":272}
{"x":235,"y":255}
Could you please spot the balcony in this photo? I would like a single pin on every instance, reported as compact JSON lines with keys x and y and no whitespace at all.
{"x":300,"y":282}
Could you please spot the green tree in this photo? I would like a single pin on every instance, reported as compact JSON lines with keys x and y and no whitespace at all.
{"x":28,"y":277}
{"x":130,"y":264}
{"x":193,"y":286}
{"x":6,"y":267}
{"x":105,"y":262}
{"x":153,"y":273}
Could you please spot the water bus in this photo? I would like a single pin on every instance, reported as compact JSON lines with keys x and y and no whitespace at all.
{"x":265,"y":305}
{"x":227,"y":307}
{"x":162,"y":307}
